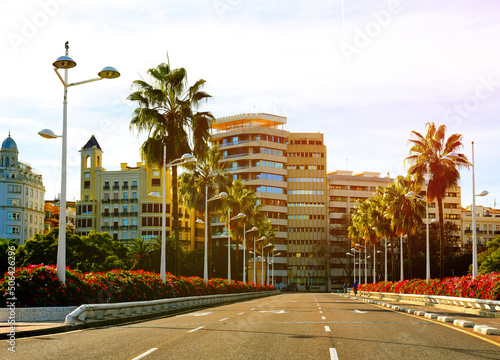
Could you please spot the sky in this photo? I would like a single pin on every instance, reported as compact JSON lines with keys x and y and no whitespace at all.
{"x":365,"y":73}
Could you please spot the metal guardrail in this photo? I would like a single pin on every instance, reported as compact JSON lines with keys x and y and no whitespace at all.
{"x":125,"y":309}
{"x":468,"y":303}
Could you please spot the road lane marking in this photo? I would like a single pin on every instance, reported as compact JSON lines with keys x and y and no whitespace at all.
{"x":319,"y":308}
{"x":145,"y":354}
{"x":252,"y":309}
{"x":196,"y":314}
{"x":321,"y":312}
{"x":274,"y":311}
{"x":223,"y":319}
{"x":360,"y":312}
{"x":323,"y":318}
{"x":333,"y":354}
{"x":327,"y":328}
{"x":198,"y":328}
{"x":241,"y":313}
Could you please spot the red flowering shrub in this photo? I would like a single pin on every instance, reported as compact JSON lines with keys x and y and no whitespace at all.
{"x":38,"y":285}
{"x":484,"y":286}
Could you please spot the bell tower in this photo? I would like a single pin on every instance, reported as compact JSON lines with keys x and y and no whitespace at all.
{"x":91,"y":166}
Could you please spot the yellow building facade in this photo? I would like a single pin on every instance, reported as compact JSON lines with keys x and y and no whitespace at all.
{"x":120,"y":202}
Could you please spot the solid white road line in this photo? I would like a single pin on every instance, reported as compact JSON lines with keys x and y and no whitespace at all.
{"x":333,"y":354}
{"x":327,"y":328}
{"x":198,"y":328}
{"x":145,"y":354}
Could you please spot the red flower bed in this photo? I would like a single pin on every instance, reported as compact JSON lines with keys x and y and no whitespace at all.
{"x":38,"y":285}
{"x":486,"y":287}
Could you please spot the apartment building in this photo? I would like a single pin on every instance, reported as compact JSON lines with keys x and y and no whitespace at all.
{"x":487,"y":225}
{"x":287,"y":171}
{"x":21,"y":196}
{"x":121,"y":202}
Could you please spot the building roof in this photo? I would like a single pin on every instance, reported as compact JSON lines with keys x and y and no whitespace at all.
{"x":9,"y":143}
{"x":91,"y":143}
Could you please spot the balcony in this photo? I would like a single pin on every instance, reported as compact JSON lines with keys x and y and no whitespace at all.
{"x":105,"y":214}
{"x":115,"y":200}
{"x":104,"y":228}
{"x":105,"y":201}
{"x":125,"y":187}
{"x":116,"y":187}
{"x":133,"y":200}
{"x":125,"y":200}
{"x":125,"y":213}
{"x":105,"y":187}
{"x":134,"y":187}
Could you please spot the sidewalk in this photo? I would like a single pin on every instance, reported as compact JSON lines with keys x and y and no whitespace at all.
{"x":490,"y":322}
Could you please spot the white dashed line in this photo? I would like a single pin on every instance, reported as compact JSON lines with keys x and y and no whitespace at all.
{"x":321,"y":312}
{"x":323,"y":318}
{"x":223,"y":319}
{"x":145,"y":354}
{"x":327,"y":329}
{"x":333,"y":354}
{"x":252,"y":309}
{"x":198,"y":328}
{"x":241,"y":313}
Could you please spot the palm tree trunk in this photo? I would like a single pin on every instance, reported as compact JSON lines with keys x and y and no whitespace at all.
{"x":175,"y":213}
{"x":441,"y":238}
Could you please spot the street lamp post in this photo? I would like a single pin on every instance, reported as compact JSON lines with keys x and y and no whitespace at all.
{"x":243,"y":216}
{"x":413,"y":195}
{"x":348,"y":253}
{"x":244,"y":273}
{"x":65,"y":62}
{"x":185,"y":159}
{"x":223,"y":195}
{"x":254,"y":262}
{"x":267,"y":263}
{"x":366,"y":270}
{"x":272,"y":276}
{"x":453,"y":157}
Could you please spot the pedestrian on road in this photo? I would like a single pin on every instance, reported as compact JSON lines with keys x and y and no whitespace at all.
{"x":355,"y":287}
{"x":345,"y":288}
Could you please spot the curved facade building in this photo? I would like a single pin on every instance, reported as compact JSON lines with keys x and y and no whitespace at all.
{"x":21,"y":196}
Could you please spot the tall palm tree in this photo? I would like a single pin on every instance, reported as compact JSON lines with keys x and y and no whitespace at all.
{"x":406,"y":213}
{"x":208,"y":173}
{"x":427,"y":158}
{"x":167,"y":113}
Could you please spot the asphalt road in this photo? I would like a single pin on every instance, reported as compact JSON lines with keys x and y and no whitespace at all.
{"x":288,"y":326}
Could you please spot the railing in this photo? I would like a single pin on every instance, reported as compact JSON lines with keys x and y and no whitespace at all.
{"x":474,"y":304}
{"x":126,"y":309}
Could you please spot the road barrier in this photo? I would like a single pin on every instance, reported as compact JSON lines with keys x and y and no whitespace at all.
{"x":492,"y":306}
{"x":127,"y":309}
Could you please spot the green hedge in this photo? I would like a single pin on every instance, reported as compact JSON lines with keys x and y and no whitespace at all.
{"x":38,"y":285}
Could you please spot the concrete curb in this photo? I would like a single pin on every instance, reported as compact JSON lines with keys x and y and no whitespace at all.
{"x":482,"y":329}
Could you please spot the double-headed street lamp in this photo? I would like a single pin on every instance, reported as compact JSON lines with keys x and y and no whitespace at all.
{"x":262,"y":238}
{"x":223,"y":195}
{"x":454,"y":157}
{"x":253,"y":229}
{"x":185,"y":159}
{"x":272,"y":276}
{"x":237,"y":217}
{"x":413,"y":195}
{"x":267,"y":264}
{"x":65,"y":62}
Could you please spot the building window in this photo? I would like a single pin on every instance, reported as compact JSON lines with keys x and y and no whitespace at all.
{"x":134,"y":195}
{"x":14,"y":202}
{"x":12,"y":229}
{"x":86,"y":184}
{"x":155,"y":182}
{"x":14,"y":189}
{"x":14,"y":216}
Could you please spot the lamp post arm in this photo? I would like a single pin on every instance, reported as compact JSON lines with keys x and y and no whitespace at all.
{"x":84,"y":82}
